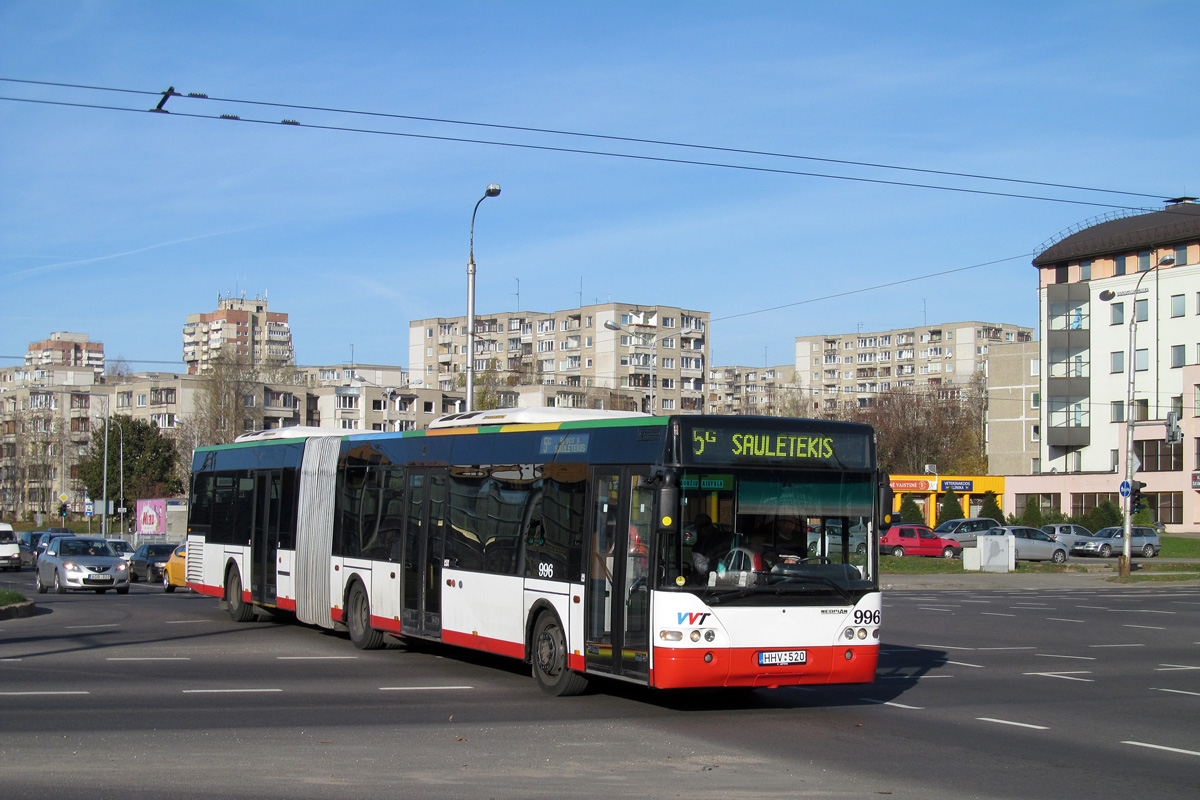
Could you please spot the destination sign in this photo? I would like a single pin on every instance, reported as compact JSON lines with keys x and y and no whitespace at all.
{"x":741,"y":446}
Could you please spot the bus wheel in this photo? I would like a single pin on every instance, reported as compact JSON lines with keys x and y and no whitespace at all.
{"x":358,"y":620}
{"x":239,"y":610}
{"x":550,"y":659}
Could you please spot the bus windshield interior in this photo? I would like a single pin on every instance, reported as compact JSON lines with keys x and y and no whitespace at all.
{"x":771,"y":533}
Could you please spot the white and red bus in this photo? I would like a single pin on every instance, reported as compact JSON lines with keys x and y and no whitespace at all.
{"x":680,"y":551}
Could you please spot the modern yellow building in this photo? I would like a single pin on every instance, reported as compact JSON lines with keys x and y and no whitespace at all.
{"x":927,"y":490}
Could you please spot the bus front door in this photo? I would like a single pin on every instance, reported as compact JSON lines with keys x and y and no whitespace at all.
{"x":618,"y":597}
{"x":264,"y":547}
{"x":423,"y":537}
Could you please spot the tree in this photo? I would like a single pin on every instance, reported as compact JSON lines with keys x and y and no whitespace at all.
{"x":950,"y":508}
{"x":990,"y":508}
{"x":222,"y":410}
{"x":1104,"y":515}
{"x":910,"y":511}
{"x":150,"y":462}
{"x":487,"y":388}
{"x":929,"y":425}
{"x":1031,"y":517}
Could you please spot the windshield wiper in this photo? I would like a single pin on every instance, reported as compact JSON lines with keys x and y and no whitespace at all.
{"x":819,"y":579}
{"x":774,"y":588}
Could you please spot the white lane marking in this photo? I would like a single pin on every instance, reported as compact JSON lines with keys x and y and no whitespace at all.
{"x":184,"y":621}
{"x":946,"y":647}
{"x":931,"y":608}
{"x":912,"y":677}
{"x":227,"y":691}
{"x":1146,"y":627}
{"x":1116,"y":645}
{"x":1145,"y":611}
{"x":1010,"y":722}
{"x":1066,"y":676}
{"x":1177,"y":691}
{"x":1008,"y":648}
{"x":28,"y":694}
{"x":977,"y":601}
{"x":1053,"y":655}
{"x":12,"y":659}
{"x":1060,"y":619}
{"x":965,"y":664}
{"x":84,"y":627}
{"x":421,"y":688}
{"x":1096,"y":608}
{"x":1172,"y":667}
{"x":315,"y":658}
{"x":890,"y":703}
{"x":1163,"y":747}
{"x":150,"y":658}
{"x":995,"y":614}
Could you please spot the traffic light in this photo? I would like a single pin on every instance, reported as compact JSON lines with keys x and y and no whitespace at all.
{"x":1136,"y":501}
{"x":62,"y":510}
{"x":1174,"y":432}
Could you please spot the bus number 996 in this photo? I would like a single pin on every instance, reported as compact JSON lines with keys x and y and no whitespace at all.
{"x":863,"y":617}
{"x":545,"y":570}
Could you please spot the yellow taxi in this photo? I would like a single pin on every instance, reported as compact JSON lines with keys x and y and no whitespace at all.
{"x":173,"y":571}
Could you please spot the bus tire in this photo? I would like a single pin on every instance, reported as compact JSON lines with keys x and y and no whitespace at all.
{"x":549,"y":656}
{"x":358,"y":620}
{"x":239,"y":609}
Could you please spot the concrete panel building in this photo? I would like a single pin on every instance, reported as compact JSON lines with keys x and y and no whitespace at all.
{"x":243,"y":329}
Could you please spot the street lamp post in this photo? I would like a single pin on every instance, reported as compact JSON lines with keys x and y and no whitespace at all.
{"x":1131,"y":366}
{"x":652,"y":339}
{"x":492,"y":190}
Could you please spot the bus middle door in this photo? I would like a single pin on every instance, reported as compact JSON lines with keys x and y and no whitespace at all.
{"x":618,"y":596}
{"x":264,"y":547}
{"x":423,"y":536}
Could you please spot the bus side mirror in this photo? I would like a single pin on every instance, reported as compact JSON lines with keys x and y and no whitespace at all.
{"x":668,"y":507}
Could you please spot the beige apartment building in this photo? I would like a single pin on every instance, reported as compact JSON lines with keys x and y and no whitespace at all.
{"x":848,"y":370}
{"x":611,"y":355}
{"x":243,"y":329}
{"x":1013,"y":433}
{"x":756,"y":391}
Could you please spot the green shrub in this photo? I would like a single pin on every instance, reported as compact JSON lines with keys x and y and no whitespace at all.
{"x":950,"y":508}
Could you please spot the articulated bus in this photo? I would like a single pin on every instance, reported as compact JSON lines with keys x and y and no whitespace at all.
{"x":679,"y":551}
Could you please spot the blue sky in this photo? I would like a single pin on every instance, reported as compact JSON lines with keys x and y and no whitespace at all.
{"x":120,"y":224}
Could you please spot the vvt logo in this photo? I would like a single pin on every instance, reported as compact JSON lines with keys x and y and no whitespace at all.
{"x":693,"y":617}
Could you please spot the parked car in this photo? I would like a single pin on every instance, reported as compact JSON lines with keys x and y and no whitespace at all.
{"x":76,"y":562}
{"x":917,"y":540}
{"x":10,"y":548}
{"x":1111,"y":542}
{"x":148,"y":560}
{"x":965,"y":530}
{"x":174,"y":571}
{"x":1034,"y":545}
{"x":27,"y":541}
{"x":1066,"y":534}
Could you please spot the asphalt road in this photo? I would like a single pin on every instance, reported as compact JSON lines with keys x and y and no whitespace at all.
{"x":982,"y":693}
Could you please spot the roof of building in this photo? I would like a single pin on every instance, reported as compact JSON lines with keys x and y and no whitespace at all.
{"x":1179,"y":221}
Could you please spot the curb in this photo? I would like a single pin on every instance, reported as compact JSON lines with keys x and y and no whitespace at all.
{"x":18,"y":610}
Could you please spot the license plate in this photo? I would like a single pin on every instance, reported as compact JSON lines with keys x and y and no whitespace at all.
{"x":782,"y":658}
{"x":100,"y":578}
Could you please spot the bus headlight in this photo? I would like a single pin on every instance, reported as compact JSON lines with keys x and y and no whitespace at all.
{"x":848,"y":634}
{"x":862,"y":633}
{"x":710,"y":635}
{"x":695,"y":635}
{"x":670,"y":636}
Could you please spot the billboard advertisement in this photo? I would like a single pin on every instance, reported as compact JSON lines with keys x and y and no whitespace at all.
{"x":152,"y":517}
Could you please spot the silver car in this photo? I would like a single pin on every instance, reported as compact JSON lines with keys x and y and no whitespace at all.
{"x":1111,"y":542}
{"x":74,"y":562}
{"x":965,"y":530}
{"x":1033,"y":545}
{"x":1067,"y":534}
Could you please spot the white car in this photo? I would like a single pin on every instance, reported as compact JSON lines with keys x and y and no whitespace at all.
{"x":10,"y":548}
{"x":122,"y":548}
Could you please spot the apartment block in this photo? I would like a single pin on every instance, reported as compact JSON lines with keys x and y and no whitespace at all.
{"x":1013,"y":429}
{"x":64,"y":349}
{"x":243,"y":329}
{"x":757,"y":391}
{"x":847,"y":370}
{"x":612,"y":355}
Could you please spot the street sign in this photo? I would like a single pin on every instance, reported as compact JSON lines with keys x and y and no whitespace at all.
{"x":88,"y":509}
{"x":62,"y":498}
{"x":1125,"y":488}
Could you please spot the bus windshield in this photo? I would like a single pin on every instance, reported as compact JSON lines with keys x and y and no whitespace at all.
{"x":748,"y":533}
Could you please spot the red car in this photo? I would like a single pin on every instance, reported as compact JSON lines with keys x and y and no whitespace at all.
{"x":917,"y":540}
